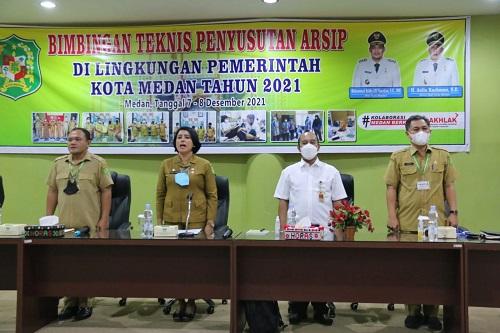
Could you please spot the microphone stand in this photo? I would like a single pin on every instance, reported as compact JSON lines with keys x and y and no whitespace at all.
{"x":186,"y":233}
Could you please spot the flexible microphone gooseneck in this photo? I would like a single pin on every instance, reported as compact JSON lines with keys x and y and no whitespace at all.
{"x":186,"y":233}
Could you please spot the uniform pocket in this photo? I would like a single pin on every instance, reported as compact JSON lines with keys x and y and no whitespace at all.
{"x":200,"y":204}
{"x":62,"y":176}
{"x":408,"y":170}
{"x":86,"y":182}
{"x":438,"y":167}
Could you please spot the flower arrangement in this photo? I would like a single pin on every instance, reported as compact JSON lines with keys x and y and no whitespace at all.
{"x":347,"y":215}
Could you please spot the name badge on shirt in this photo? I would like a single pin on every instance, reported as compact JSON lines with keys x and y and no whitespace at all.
{"x":423,"y":185}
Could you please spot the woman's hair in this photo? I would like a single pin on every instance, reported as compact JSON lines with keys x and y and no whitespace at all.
{"x":194,"y":138}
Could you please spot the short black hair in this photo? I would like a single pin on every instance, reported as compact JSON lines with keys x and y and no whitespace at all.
{"x":416,"y":117}
{"x":194,"y":138}
{"x":87,"y":133}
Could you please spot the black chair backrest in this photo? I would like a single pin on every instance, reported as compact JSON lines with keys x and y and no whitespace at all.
{"x":119,"y":216}
{"x":348,"y":182}
{"x":2,"y":193}
{"x":222,"y":201}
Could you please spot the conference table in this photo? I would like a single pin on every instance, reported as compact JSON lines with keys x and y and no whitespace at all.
{"x":117,"y":265}
{"x":482,"y":262}
{"x":376,"y":268}
{"x":380,"y":269}
{"x":9,"y":249}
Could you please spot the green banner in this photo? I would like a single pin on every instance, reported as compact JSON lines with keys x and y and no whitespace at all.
{"x":245,"y":87}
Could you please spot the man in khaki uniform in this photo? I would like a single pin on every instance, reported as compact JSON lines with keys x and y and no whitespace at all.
{"x":163,"y":131}
{"x":210,"y":133}
{"x":201,"y":133}
{"x":416,"y":178}
{"x":80,"y":185}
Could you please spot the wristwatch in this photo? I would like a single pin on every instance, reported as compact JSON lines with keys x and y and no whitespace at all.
{"x":454,"y":212}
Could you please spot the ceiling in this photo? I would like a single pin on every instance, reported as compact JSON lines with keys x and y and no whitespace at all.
{"x":113,"y":12}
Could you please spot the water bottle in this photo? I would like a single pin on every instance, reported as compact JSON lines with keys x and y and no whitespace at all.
{"x":433,"y":223}
{"x":147,"y":227}
{"x":277,"y":228}
{"x":327,"y":233}
{"x":421,"y":227}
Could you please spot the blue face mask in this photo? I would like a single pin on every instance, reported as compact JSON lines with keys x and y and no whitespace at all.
{"x":182,"y":179}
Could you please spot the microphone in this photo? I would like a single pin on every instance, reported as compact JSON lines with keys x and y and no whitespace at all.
{"x":82,"y":232}
{"x":186,"y":233}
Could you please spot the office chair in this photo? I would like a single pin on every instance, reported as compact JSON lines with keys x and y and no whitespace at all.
{"x":121,"y":197}
{"x":221,"y":231}
{"x":2,"y":193}
{"x":348,"y":182}
{"x":119,"y":215}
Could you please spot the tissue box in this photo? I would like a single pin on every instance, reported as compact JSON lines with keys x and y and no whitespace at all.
{"x":447,"y":232}
{"x":12,"y":230}
{"x":312,"y":233}
{"x":165,"y":231}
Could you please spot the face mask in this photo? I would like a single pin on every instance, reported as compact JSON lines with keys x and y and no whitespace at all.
{"x":420,"y":138}
{"x":182,"y":179}
{"x":309,"y":152}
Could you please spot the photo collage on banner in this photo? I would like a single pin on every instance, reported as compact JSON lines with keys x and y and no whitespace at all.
{"x":104,"y":127}
{"x":287,"y":126}
{"x":147,"y":127}
{"x":52,"y":127}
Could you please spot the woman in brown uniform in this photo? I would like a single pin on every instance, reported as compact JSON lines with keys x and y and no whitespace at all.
{"x":182,"y":178}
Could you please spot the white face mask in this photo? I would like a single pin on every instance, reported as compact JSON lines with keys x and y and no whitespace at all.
{"x":309,"y":152}
{"x":420,"y":138}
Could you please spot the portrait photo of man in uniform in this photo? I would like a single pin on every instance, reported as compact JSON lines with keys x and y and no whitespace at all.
{"x":436,"y":70}
{"x":376,"y":70}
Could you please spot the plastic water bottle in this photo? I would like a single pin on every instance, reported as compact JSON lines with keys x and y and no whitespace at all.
{"x":277,"y":228}
{"x":433,"y":223}
{"x":421,"y":227}
{"x":147,"y":227}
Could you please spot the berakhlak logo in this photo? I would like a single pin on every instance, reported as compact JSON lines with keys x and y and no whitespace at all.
{"x":20,"y":75}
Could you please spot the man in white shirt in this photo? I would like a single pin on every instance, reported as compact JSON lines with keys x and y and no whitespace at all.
{"x":436,"y":70}
{"x":376,"y":71}
{"x":312,"y":188}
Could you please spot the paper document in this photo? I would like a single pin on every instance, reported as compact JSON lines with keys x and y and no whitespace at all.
{"x":193,"y":231}
{"x":490,"y":235}
{"x":257,"y":232}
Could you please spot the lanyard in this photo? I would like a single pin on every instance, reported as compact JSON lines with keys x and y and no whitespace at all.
{"x":422,"y":171}
{"x":73,"y":172}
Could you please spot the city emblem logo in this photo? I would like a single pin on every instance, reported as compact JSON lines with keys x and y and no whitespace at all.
{"x":20,"y":75}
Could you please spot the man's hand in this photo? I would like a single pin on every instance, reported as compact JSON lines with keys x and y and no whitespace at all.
{"x":102,"y":224}
{"x":393,"y":224}
{"x":453,"y":220}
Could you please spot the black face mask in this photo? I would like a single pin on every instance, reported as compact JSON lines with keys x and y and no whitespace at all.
{"x":71,"y":187}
